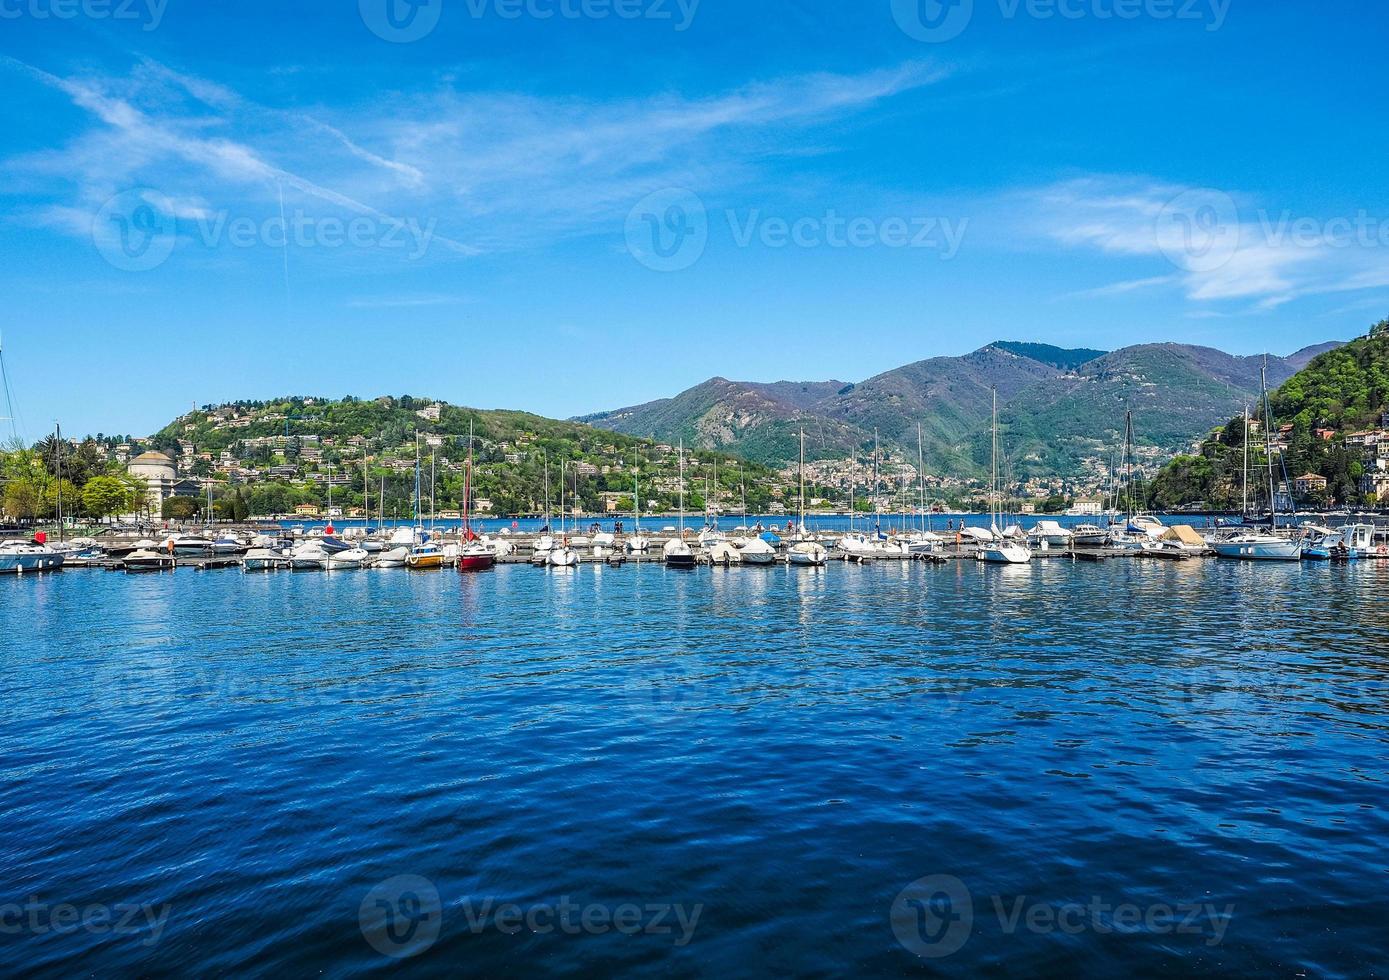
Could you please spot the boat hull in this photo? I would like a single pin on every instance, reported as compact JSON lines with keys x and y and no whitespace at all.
{"x":1259,"y":550}
{"x":476,"y":563}
{"x":30,"y":564}
{"x":1005,"y":555}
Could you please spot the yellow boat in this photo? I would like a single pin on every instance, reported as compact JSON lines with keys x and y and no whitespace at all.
{"x":425,"y":556}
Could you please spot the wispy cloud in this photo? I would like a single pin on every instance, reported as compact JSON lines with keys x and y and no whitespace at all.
{"x":1222,"y":246}
{"x":494,"y":170}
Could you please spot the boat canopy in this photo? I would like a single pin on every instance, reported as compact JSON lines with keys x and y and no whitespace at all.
{"x":1184,"y":534}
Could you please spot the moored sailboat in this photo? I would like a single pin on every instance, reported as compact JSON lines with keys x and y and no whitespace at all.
{"x":677,"y":552}
{"x":1000,"y":550}
{"x":473,"y":556}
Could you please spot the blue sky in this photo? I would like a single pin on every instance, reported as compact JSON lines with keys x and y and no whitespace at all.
{"x":573,"y":205}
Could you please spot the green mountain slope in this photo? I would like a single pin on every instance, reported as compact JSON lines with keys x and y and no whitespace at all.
{"x":1060,"y":409}
{"x":317,"y":438}
{"x":1057,"y":357}
{"x":1340,"y":390}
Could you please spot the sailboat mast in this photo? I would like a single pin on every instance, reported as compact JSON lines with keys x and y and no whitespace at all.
{"x":636,"y":491}
{"x":682,"y":489}
{"x":1244,"y":507}
{"x":802,"y":479}
{"x":1128,"y":467}
{"x":921,"y":474}
{"x":877,"y":486}
{"x":418,"y":521}
{"x":995,"y":508}
{"x":468,"y":484}
{"x":58,"y":448}
{"x":1268,"y":447}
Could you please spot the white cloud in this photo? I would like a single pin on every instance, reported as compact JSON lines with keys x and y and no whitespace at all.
{"x":1223,"y":247}
{"x":495,"y":170}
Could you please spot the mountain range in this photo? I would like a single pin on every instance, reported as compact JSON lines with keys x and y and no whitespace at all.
{"x":1058,"y":407}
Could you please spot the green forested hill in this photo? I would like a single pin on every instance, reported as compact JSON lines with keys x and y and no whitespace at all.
{"x":1340,"y":391}
{"x":1060,"y":410}
{"x":359,"y":440}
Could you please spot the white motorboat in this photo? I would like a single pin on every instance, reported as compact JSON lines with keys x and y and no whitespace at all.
{"x":264,"y":560}
{"x":349,"y":560}
{"x":808,"y":554}
{"x":755,"y":551}
{"x":638,"y":544}
{"x":227,"y":544}
{"x":499,"y":548}
{"x":24,"y":558}
{"x":1049,"y":534}
{"x":562,"y":557}
{"x":189,"y":546}
{"x":923,"y":542}
{"x":148,"y":560}
{"x":309,"y":556}
{"x":1170,"y":550}
{"x":678,"y":554}
{"x":1089,"y":536}
{"x":859,"y":547}
{"x":1005,"y":553}
{"x":393,"y":558}
{"x":725,"y":553}
{"x":1256,"y":546}
{"x":1355,"y":541}
{"x":1145,"y":525}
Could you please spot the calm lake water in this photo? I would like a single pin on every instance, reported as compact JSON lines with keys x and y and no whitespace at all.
{"x":1059,"y":769}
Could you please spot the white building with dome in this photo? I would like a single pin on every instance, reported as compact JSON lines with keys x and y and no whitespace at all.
{"x":159,"y":473}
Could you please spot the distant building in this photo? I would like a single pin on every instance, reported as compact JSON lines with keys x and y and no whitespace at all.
{"x":1375,"y":482}
{"x":159,"y":473}
{"x":432,"y":413}
{"x":306,"y":510}
{"x":1309,"y":483}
